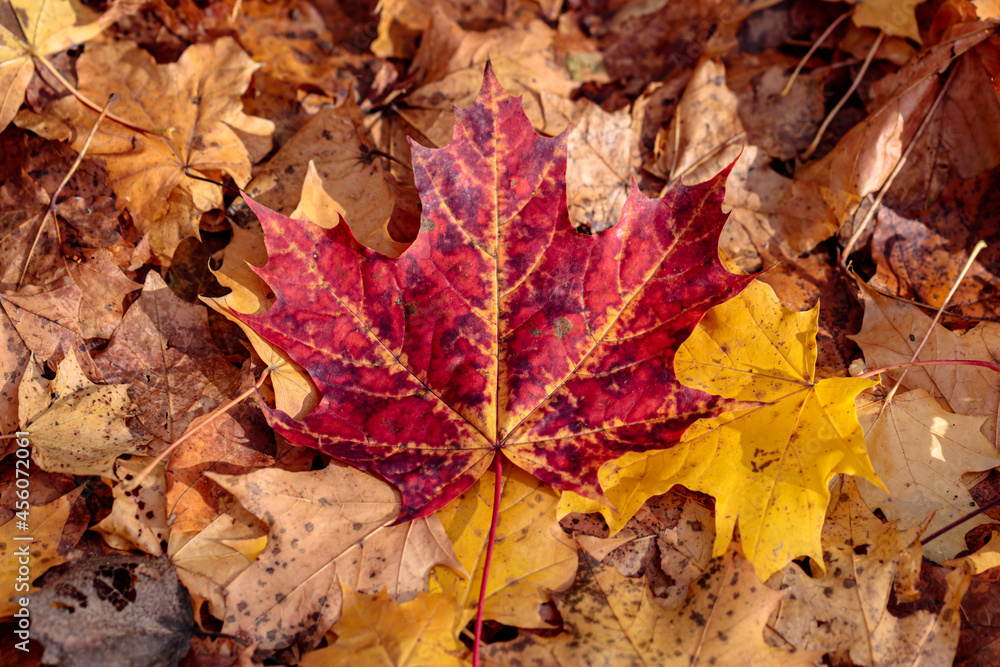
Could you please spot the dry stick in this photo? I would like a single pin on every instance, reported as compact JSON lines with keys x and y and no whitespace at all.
{"x":86,"y":101}
{"x":497,"y":491}
{"x":677,"y":145}
{"x":954,"y":287}
{"x":131,"y":485}
{"x":958,"y":522}
{"x":843,"y":100}
{"x":51,"y":210}
{"x":811,"y":51}
{"x":873,"y":209}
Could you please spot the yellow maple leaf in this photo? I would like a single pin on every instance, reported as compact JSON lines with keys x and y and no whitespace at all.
{"x":197,"y":99}
{"x":768,"y":467}
{"x":32,"y":29}
{"x":375,"y":630}
{"x":616,"y":618}
{"x":532,"y":555}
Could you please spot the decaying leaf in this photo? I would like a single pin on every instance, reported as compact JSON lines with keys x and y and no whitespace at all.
{"x":138,"y":518}
{"x":45,"y":549}
{"x":77,"y":427}
{"x":164,"y":348}
{"x":844,"y":609}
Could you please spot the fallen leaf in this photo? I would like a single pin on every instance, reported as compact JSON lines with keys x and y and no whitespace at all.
{"x":164,"y":348}
{"x":101,"y":608}
{"x":77,"y":427}
{"x":472,"y":342}
{"x":45,"y":550}
{"x":291,"y":593}
{"x":981,"y":561}
{"x":768,"y":467}
{"x":332,"y":156}
{"x":607,"y":615}
{"x":532,"y":555}
{"x":895,"y":17}
{"x":147,"y":169}
{"x":890,"y":334}
{"x":450,"y":64}
{"x":864,"y":157}
{"x":375,"y":630}
{"x":844,"y":609}
{"x":208,"y":561}
{"x":30,"y":29}
{"x":920,"y":452}
{"x":138,"y":518}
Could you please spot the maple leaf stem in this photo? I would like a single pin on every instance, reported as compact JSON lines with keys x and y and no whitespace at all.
{"x":218,"y":412}
{"x":93,"y":106}
{"x":809,"y":54}
{"x":843,"y":100}
{"x":934,"y":362}
{"x":497,"y":491}
{"x":50,"y":212}
{"x":958,"y":522}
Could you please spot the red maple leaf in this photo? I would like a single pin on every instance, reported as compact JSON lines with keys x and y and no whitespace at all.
{"x":501,"y":328}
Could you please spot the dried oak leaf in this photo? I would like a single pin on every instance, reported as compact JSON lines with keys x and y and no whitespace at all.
{"x":324,"y":525}
{"x":532,"y":555}
{"x":77,"y":427}
{"x":616,"y":618}
{"x":920,"y":451}
{"x":376,"y":630}
{"x":163,"y":347}
{"x":768,"y":467}
{"x":38,"y":28}
{"x":195,"y":100}
{"x":844,"y":609}
{"x":501,"y":329}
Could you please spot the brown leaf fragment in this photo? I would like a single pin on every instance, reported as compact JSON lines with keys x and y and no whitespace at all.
{"x":77,"y":427}
{"x":163,"y":348}
{"x":616,"y":618}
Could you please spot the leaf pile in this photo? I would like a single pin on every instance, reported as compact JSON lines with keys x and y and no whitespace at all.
{"x":544,"y":305}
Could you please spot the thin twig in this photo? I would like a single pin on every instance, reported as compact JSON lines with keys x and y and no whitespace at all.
{"x":93,"y":106}
{"x":815,"y":47}
{"x":50,"y":212}
{"x":958,"y":522}
{"x":843,"y":100}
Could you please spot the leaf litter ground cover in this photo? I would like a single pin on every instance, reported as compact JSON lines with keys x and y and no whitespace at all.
{"x":518,"y":440}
